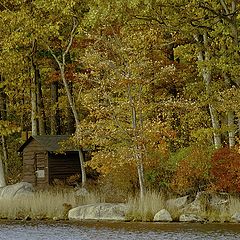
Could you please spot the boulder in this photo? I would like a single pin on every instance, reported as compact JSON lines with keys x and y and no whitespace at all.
{"x":189,"y":217}
{"x":99,"y":211}
{"x":198,"y":204}
{"x":204,"y":201}
{"x":220,"y":202}
{"x":16,"y":190}
{"x":162,"y":216}
{"x":235,"y":217}
{"x":178,"y":203}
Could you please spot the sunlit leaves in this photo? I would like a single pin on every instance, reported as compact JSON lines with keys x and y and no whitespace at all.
{"x":7,"y":128}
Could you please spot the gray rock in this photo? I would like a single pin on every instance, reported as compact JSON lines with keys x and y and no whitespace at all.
{"x":220,"y":202}
{"x":189,"y":217}
{"x":99,"y":211}
{"x":178,"y":202}
{"x":198,"y":204}
{"x":205,"y":201}
{"x":16,"y":190}
{"x":235,"y":217}
{"x":162,"y":216}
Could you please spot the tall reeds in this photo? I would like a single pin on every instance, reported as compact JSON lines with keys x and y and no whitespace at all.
{"x":144,"y":209}
{"x":48,"y":204}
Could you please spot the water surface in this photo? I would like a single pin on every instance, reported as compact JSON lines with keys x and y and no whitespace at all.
{"x":116,"y":230}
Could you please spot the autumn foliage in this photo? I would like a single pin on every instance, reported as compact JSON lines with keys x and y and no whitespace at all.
{"x":225,"y":170}
{"x":136,"y":82}
{"x":192,"y":172}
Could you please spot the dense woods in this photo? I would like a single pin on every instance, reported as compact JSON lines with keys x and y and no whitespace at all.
{"x":152,"y":87}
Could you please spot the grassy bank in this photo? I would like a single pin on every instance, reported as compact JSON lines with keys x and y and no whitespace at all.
{"x":47,"y":204}
{"x":145,"y":209}
{"x":55,"y":204}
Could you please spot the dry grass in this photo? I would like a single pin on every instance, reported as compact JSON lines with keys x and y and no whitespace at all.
{"x":225,"y":213}
{"x":145,"y":209}
{"x":48,"y":204}
{"x":56,"y":202}
{"x":234,"y":205}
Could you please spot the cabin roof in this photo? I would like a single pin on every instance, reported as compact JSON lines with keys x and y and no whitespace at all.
{"x":51,"y":143}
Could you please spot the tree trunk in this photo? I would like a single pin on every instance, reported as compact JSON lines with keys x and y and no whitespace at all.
{"x":137,"y":147}
{"x":230,"y":117}
{"x":232,"y":128}
{"x":5,"y":155}
{"x":69,"y":95}
{"x":2,"y":178}
{"x":3,"y":116}
{"x":71,"y":128}
{"x":34,"y":108}
{"x":61,"y":66}
{"x":34,"y":92}
{"x":207,"y":75}
{"x":77,"y":122}
{"x":140,"y":169}
{"x":40,"y":105}
{"x":55,"y":119}
{"x":216,"y":127}
{"x":238,"y":126}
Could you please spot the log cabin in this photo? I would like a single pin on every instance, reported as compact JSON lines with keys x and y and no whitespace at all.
{"x":42,"y":162}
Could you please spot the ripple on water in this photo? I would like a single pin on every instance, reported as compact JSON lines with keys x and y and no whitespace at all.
{"x":122,"y":231}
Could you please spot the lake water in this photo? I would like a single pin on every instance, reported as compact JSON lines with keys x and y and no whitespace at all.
{"x":113,"y":230}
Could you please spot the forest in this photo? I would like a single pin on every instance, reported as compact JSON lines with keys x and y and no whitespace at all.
{"x":151,"y":86}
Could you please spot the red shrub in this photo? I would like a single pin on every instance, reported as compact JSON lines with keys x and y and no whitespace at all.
{"x":225,"y":170}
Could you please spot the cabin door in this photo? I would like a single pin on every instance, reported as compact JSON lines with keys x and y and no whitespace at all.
{"x":41,"y":169}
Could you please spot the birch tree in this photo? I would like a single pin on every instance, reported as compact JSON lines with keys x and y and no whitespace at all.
{"x":62,"y":63}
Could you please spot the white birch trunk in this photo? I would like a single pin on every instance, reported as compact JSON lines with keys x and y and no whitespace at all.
{"x":216,"y":127}
{"x":5,"y":154}
{"x":207,"y":75}
{"x":140,"y":170}
{"x":234,"y":30}
{"x":40,"y":107}
{"x":77,"y":122}
{"x":238,"y":126}
{"x":137,"y":148}
{"x":34,"y":108}
{"x":231,"y":131}
{"x":69,"y":96}
{"x":2,"y":176}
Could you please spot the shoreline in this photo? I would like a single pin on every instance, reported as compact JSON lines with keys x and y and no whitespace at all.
{"x":107,"y":222}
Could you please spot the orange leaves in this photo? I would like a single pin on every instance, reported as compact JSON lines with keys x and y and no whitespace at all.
{"x":199,"y":170}
{"x":225,"y":170}
{"x":192,"y":172}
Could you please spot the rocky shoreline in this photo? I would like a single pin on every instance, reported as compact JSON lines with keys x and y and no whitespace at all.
{"x":201,"y":209}
{"x":204,"y":207}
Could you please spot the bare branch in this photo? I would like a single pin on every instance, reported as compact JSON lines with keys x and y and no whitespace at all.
{"x":3,"y":5}
{"x":234,"y":6}
{"x":226,"y":16}
{"x":224,"y":6}
{"x":75,"y":24}
{"x":55,"y":57}
{"x":149,"y":18}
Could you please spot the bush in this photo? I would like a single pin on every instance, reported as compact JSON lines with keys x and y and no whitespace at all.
{"x":120,"y":182}
{"x":225,"y":170}
{"x":192,"y":172}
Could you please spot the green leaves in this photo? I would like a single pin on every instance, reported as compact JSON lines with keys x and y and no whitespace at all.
{"x":7,"y":128}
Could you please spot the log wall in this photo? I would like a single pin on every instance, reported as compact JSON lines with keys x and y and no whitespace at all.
{"x":29,"y":162}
